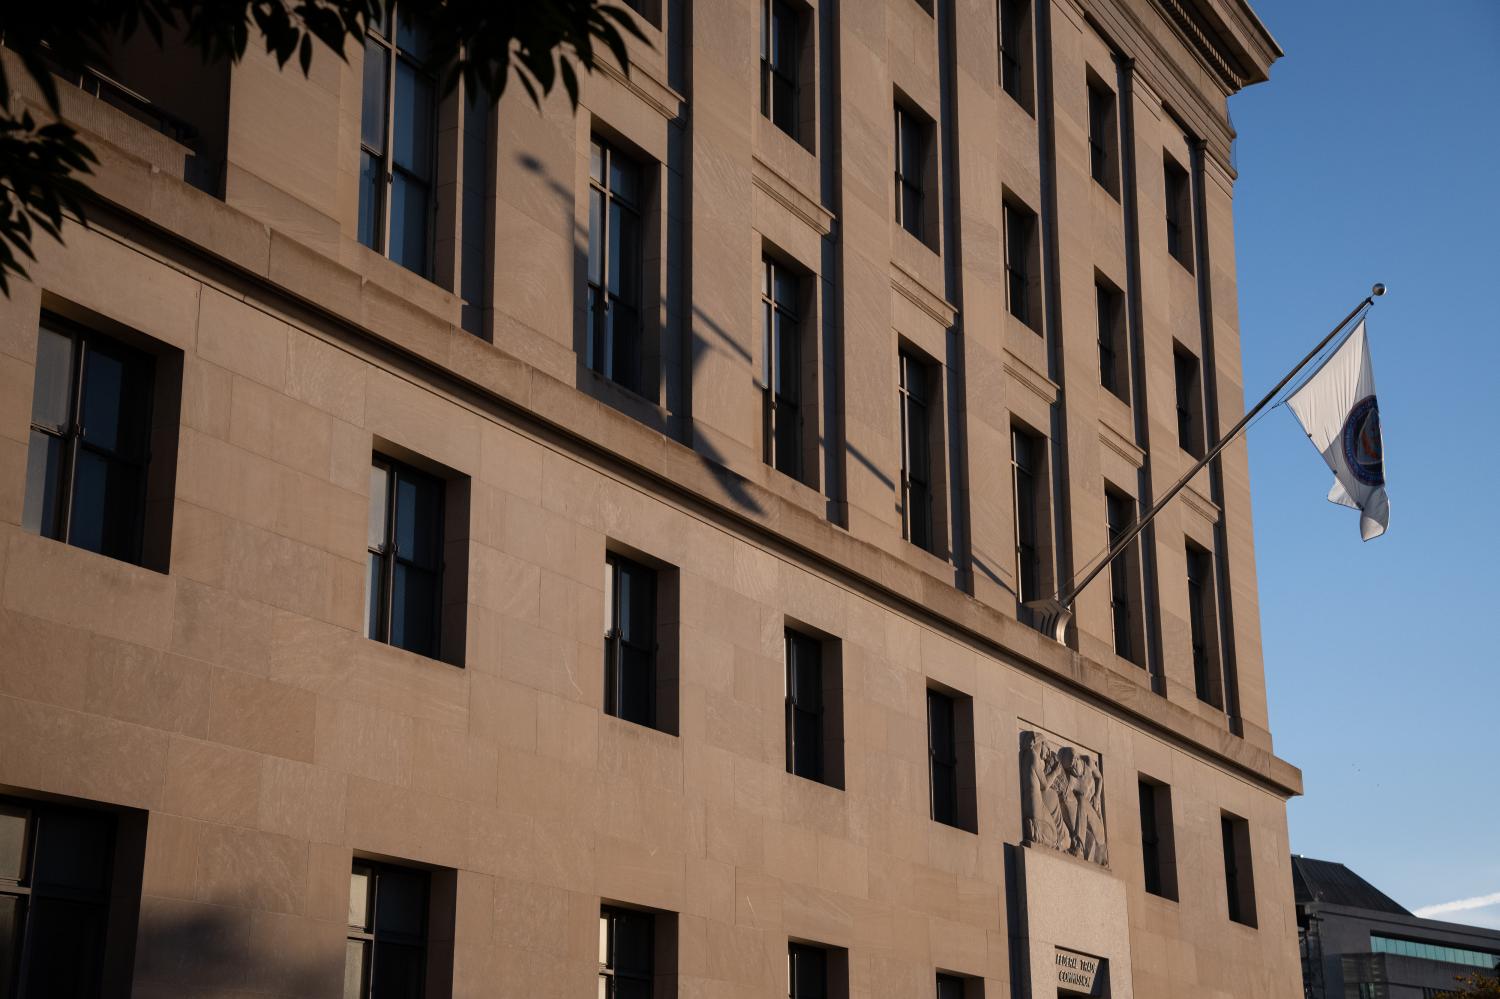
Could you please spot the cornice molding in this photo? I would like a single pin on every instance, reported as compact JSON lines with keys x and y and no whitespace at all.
{"x":1043,"y":387}
{"x":1122,"y":446}
{"x":653,"y":92}
{"x":915,"y":291}
{"x":1212,"y":33}
{"x":1201,"y":504}
{"x":770,"y":181}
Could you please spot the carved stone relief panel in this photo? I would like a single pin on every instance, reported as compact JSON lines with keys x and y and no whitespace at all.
{"x":1062,"y":797}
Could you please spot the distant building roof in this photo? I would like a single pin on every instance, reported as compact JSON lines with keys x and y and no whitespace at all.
{"x":1334,"y":884}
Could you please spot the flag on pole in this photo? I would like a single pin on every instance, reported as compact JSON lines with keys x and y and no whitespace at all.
{"x":1337,"y":410}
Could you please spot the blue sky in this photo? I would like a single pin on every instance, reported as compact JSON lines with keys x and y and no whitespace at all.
{"x":1372,"y":155}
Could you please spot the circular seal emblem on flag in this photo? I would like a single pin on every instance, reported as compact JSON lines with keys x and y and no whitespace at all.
{"x":1363,"y":451}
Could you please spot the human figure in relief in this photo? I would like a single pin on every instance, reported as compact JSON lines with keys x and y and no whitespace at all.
{"x":1070,"y":791}
{"x":1090,"y":835}
{"x":1042,"y":809}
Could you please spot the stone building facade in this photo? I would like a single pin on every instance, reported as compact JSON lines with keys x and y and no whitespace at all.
{"x":515,"y":552}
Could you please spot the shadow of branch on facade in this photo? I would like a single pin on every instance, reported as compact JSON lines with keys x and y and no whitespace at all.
{"x":189,"y":948}
{"x":734,"y":486}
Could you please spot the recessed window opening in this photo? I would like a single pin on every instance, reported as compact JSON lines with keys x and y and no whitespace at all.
{"x":615,"y":267}
{"x":917,"y":415}
{"x":780,"y":64}
{"x":405,"y":557}
{"x":783,"y":431}
{"x":398,"y":140}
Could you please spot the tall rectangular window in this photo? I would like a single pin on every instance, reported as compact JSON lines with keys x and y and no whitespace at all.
{"x":630,"y":640}
{"x":807,"y":972}
{"x":1124,"y":573}
{"x":804,"y":706}
{"x":913,"y":147}
{"x":780,"y":54}
{"x":56,"y":877}
{"x":1103,"y":137}
{"x":1158,"y":851}
{"x":1015,"y":50}
{"x":942,"y":757}
{"x":398,"y":141}
{"x":1114,"y":358}
{"x":1026,"y":463}
{"x":1189,"y":402}
{"x":782,"y":401}
{"x":1023,"y":264}
{"x":1239,"y":879}
{"x":1179,"y":213}
{"x":916,"y":451}
{"x":627,"y":953}
{"x":86,"y":461}
{"x":385,"y":952}
{"x":1203,"y":626}
{"x":405,"y":557}
{"x":615,"y":271}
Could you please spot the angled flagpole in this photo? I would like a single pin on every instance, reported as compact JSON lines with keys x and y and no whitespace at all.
{"x":1054,"y":613}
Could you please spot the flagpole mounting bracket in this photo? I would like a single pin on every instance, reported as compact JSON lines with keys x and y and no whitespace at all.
{"x":1051,"y":617}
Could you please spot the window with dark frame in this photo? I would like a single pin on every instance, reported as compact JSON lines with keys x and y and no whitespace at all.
{"x":1015,"y":50}
{"x":1201,"y":626}
{"x":627,"y":953}
{"x":89,"y":447}
{"x":405,"y":557}
{"x":398,"y":141}
{"x":942,"y":757}
{"x":1150,"y":839}
{"x":1239,"y":885}
{"x":615,"y":266}
{"x":807,"y":971}
{"x":1103,"y":144}
{"x":949,"y":986}
{"x":916,"y":451}
{"x":913,"y":136}
{"x":782,"y":395}
{"x":386,"y":947}
{"x":780,"y":53}
{"x":630,"y":640}
{"x":56,"y":875}
{"x":1114,"y":361}
{"x":1026,"y":457}
{"x":1157,"y":847}
{"x":804,"y":706}
{"x":1120,"y":512}
{"x":1189,"y":402}
{"x":1179,"y":213}
{"x":1022,"y":264}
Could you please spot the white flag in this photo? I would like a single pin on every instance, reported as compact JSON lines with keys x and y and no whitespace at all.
{"x":1337,"y":409}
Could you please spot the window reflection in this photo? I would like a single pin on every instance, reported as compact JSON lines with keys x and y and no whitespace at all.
{"x":91,"y":418}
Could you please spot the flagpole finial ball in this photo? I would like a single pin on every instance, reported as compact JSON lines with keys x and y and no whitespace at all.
{"x":1378,"y":290}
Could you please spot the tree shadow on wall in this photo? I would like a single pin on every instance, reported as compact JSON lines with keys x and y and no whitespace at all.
{"x":692,"y":323}
{"x":195,"y":949}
